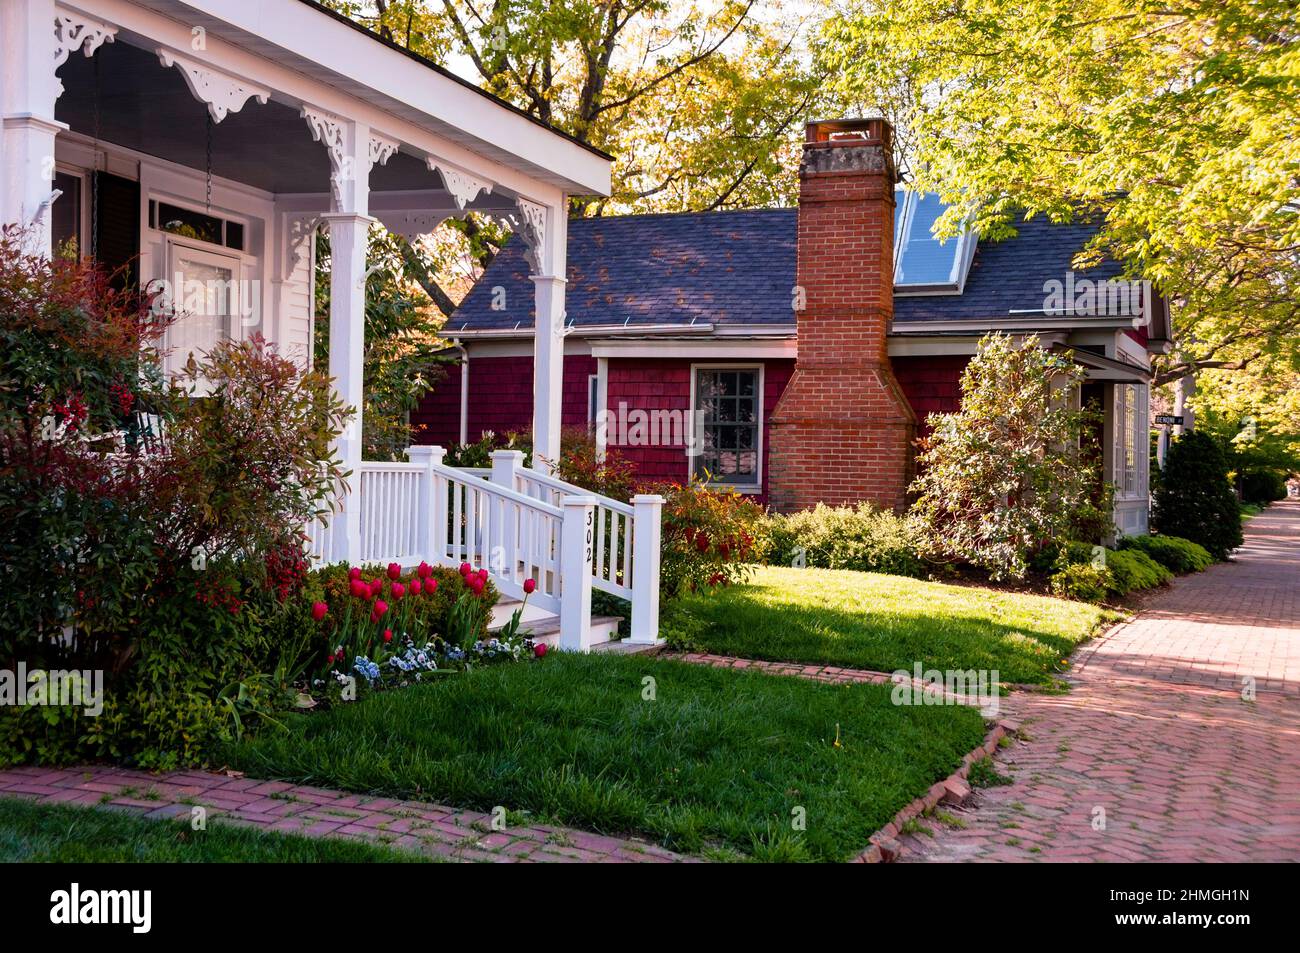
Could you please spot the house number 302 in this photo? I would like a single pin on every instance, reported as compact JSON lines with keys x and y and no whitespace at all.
{"x":591,"y":519}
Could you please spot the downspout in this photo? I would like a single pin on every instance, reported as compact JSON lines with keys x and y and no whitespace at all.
{"x":464,"y":390}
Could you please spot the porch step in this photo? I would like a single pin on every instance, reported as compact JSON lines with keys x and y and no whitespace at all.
{"x":545,"y":627}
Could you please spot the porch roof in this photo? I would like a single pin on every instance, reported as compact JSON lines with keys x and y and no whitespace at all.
{"x":300,"y":52}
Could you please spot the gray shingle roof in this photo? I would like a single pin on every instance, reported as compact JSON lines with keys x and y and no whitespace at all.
{"x":737,"y":268}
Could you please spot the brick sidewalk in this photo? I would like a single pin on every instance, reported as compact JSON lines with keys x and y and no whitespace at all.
{"x":1155,"y":738}
{"x":442,"y":832}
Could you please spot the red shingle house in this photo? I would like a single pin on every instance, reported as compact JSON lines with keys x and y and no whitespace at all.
{"x":794,"y":353}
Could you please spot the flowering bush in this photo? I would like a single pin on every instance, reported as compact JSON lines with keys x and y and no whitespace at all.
{"x":169,"y":564}
{"x":1006,"y":475}
{"x":709,"y":537}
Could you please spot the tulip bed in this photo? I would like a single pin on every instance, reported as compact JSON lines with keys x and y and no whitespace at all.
{"x":885,"y":623}
{"x":713,"y":761}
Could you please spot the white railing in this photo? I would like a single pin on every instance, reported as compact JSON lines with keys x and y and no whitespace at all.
{"x":623,"y":538}
{"x":516,"y":523}
{"x":611,"y":563}
{"x":389,"y":497}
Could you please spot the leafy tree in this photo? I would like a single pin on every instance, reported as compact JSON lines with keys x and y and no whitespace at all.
{"x":701,"y":103}
{"x":1005,"y":476}
{"x":1194,"y":498}
{"x":1172,"y":126}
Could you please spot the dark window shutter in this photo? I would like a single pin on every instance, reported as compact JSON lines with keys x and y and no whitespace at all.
{"x":117,"y":238}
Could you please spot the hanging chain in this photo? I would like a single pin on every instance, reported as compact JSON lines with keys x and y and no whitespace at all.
{"x":208,"y":167}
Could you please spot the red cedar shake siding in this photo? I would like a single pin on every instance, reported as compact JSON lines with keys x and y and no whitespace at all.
{"x":665,"y":384}
{"x":843,"y":430}
{"x":500,"y":398}
{"x":932,"y":384}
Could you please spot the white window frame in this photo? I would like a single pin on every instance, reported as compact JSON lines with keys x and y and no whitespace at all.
{"x":1130,"y":440}
{"x":211,"y":254}
{"x":83,"y":204}
{"x":759,"y":395}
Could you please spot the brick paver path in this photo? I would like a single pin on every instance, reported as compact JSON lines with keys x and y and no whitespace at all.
{"x":443,"y":832}
{"x":1155,"y":738}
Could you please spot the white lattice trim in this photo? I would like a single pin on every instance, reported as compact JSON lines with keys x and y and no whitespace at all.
{"x":223,"y":93}
{"x":75,"y":31}
{"x":462,"y":186}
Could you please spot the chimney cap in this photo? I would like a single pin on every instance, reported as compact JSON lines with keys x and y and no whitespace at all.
{"x":849,"y":131}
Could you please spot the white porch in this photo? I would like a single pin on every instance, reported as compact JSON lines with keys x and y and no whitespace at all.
{"x":256,"y":122}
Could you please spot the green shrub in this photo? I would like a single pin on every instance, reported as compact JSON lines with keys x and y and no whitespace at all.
{"x":1081,"y":569}
{"x":1194,"y":498}
{"x":1263,"y":486}
{"x":1132,"y":569}
{"x":1007,"y":474}
{"x":710,"y":537}
{"x":169,"y":564}
{"x":1082,"y":581}
{"x":847,"y":537}
{"x":1173,"y":552}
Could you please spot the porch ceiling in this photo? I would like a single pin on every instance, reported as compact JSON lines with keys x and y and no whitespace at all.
{"x":147,"y":107}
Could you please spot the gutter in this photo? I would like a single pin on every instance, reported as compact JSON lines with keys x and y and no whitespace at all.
{"x":464,"y":390}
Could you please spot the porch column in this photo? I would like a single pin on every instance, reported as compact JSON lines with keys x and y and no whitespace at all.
{"x":349,"y":225}
{"x":29,"y":88}
{"x":546,"y":230}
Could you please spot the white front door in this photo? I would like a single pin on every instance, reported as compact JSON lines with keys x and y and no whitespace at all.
{"x":204,"y":289}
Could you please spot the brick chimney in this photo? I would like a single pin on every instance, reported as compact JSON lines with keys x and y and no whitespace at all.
{"x":842,"y":431}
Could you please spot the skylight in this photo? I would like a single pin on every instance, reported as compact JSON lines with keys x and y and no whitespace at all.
{"x":922,"y":263}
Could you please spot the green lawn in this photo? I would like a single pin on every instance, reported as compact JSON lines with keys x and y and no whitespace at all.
{"x":885,"y":623}
{"x":717,"y":763}
{"x":56,"y":833}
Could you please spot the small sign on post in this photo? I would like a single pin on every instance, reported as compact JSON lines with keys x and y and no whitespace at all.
{"x":1173,"y":419}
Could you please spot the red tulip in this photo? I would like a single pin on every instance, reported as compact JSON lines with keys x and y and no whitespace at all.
{"x":354,"y":572}
{"x":380,"y":607}
{"x":318,"y":610}
{"x":329,"y":659}
{"x":425,"y":570}
{"x":539,"y":649}
{"x":388,"y":635}
{"x":376,"y":588}
{"x":394,"y":570}
{"x":360,"y":589}
{"x":466,"y":569}
{"x":431,"y":586}
{"x":476,"y":585}
{"x":416,"y":586}
{"x":399,"y":590}
{"x":483,"y":574}
{"x":529,"y":585}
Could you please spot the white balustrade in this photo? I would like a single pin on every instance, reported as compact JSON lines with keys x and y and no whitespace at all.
{"x":518,"y":524}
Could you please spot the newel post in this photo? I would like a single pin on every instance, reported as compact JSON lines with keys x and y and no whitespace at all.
{"x":430,"y":502}
{"x":576,"y":539}
{"x":505,"y":464}
{"x":647,"y":510}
